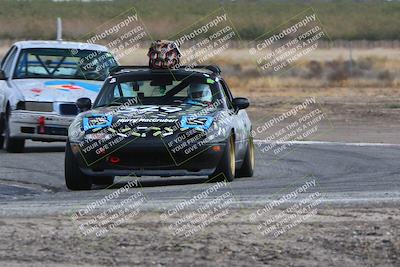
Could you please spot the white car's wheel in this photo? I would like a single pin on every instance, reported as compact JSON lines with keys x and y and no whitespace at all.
{"x":2,"y":125}
{"x":12,"y":145}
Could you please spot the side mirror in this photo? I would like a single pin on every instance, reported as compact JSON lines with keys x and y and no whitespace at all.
{"x":2,"y":75}
{"x":84,"y":104}
{"x":240,"y":103}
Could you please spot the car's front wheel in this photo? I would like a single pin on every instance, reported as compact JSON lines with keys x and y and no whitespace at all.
{"x":2,"y":125}
{"x":227,"y":165}
{"x":247,"y":168}
{"x":75,"y":179}
{"x":12,"y":145}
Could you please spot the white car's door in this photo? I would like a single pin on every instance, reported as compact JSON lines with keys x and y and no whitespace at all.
{"x":5,"y":85}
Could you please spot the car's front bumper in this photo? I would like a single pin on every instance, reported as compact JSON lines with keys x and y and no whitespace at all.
{"x":152,"y":160}
{"x":25,"y":125}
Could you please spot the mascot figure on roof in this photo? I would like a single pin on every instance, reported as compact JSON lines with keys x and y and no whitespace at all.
{"x":163,"y":54}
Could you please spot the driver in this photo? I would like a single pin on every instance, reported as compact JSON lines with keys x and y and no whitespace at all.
{"x":200,"y":93}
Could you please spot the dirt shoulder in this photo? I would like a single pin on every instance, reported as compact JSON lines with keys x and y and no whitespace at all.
{"x":332,"y":237}
{"x":366,"y":115}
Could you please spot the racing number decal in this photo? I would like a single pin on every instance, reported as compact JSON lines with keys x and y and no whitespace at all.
{"x":146,"y":109}
{"x":170,"y":109}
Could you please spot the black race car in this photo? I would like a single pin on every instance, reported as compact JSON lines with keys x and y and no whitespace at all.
{"x":160,"y":122}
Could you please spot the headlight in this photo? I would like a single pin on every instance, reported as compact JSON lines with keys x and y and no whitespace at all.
{"x":88,"y":127}
{"x":35,"y":106}
{"x":20,"y":105}
{"x":75,"y":131}
{"x":95,"y":121}
{"x":199,"y":122}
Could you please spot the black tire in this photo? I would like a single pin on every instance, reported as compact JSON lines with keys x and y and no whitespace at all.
{"x":12,"y":145}
{"x":2,"y":125}
{"x":226,"y":166}
{"x":247,"y":168}
{"x":103,"y":180}
{"x":75,"y":179}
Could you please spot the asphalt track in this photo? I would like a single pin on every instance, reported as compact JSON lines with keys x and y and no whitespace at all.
{"x":32,"y":183}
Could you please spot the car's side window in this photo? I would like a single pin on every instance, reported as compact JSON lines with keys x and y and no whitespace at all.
{"x":127,"y":90}
{"x":124,"y":90}
{"x":7,"y":66}
{"x":117,"y":92}
{"x":227,"y":93}
{"x":6,"y":56}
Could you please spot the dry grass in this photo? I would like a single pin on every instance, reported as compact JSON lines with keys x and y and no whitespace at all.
{"x":346,"y":19}
{"x":243,"y":77}
{"x":371,"y":69}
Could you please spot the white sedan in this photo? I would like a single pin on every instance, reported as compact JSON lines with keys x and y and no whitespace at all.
{"x":40,"y":82}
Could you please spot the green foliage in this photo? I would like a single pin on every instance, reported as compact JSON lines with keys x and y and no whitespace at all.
{"x":392,"y":106}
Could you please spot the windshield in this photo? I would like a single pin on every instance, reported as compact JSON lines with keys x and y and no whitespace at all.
{"x":161,"y":89}
{"x":63,"y":63}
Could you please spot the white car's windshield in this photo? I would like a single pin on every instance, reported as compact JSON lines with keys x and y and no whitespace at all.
{"x":63,"y":63}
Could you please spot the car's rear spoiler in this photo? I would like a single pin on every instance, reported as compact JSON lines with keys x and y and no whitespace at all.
{"x":213,"y":68}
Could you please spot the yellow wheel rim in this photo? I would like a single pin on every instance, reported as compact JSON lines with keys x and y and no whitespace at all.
{"x":232,"y":156}
{"x":251,"y":152}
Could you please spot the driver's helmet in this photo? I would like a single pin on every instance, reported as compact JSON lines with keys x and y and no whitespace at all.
{"x":200,"y":92}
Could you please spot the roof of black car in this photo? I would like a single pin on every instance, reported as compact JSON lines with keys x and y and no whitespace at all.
{"x":145,"y":70}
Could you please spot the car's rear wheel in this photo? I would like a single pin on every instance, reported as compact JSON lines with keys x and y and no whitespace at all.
{"x":12,"y":145}
{"x":247,"y":168}
{"x":226,"y":167}
{"x":75,"y":179}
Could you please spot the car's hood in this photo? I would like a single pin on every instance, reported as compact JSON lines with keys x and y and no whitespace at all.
{"x":53,"y":90}
{"x":118,"y":126}
{"x":152,"y":115}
